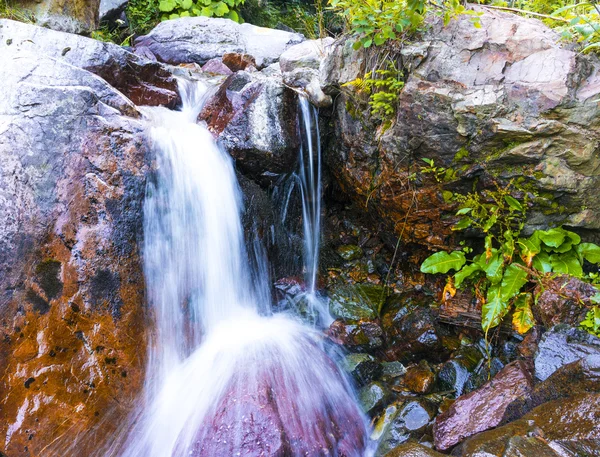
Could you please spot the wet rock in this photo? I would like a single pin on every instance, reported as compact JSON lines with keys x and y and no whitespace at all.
{"x":75,"y":16}
{"x":355,"y":302}
{"x":373,"y":396}
{"x":562,"y":300}
{"x":562,"y":345}
{"x":199,"y":39}
{"x":393,"y":369}
{"x":484,"y":408}
{"x":560,"y":426}
{"x":456,"y":372}
{"x":412,"y":449}
{"x":238,"y":62}
{"x":484,"y":372}
{"x":350,"y":252}
{"x":111,"y":9}
{"x":362,"y":367}
{"x":73,"y":167}
{"x":410,"y":329}
{"x":359,"y":336}
{"x":419,"y":379}
{"x":254,"y":116}
{"x":580,"y":377}
{"x":144,"y":82}
{"x":217,"y":67}
{"x":476,"y":102}
{"x":404,"y":421}
{"x":301,"y":68}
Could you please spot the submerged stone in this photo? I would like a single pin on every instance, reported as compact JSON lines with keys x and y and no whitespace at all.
{"x":373,"y":396}
{"x":350,"y":252}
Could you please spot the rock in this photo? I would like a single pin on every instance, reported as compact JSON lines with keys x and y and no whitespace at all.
{"x":373,"y":396}
{"x":562,"y":299}
{"x":562,"y":345}
{"x":142,"y":81}
{"x":199,"y":39}
{"x":362,"y":367}
{"x":362,"y":336}
{"x":355,"y":302}
{"x":217,"y":67}
{"x":456,"y":372}
{"x":406,"y":421}
{"x":73,"y":167}
{"x":580,"y":377}
{"x":254,"y":117}
{"x":412,"y":449}
{"x":554,"y":428}
{"x":74,"y":16}
{"x":476,"y":102}
{"x":111,"y":9}
{"x":238,"y":62}
{"x":350,"y":252}
{"x":419,"y":379}
{"x":301,"y":67}
{"x":393,"y":369}
{"x":483,"y":408}
{"x":410,"y":330}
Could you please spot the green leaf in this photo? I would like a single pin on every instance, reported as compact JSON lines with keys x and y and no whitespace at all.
{"x":463,"y":223}
{"x":529,"y":245}
{"x":463,"y":211}
{"x":553,"y":237}
{"x":442,"y":262}
{"x":166,"y":6}
{"x":367,"y":43}
{"x":220,"y":9}
{"x":512,"y":282}
{"x":490,"y":223}
{"x":523,"y":318}
{"x":186,"y":4}
{"x":541,"y":262}
{"x":173,"y":16}
{"x":566,"y":263}
{"x":466,"y":272}
{"x":494,"y":309}
{"x":184,"y":14}
{"x":589,"y":252}
{"x":206,"y":11}
{"x":493,"y":267}
{"x":513,"y":203}
{"x":233,"y":15}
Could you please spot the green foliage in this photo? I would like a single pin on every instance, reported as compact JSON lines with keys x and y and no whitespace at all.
{"x":382,"y":87}
{"x":375,"y":22}
{"x":591,"y":323}
{"x":143,"y":15}
{"x":510,"y":266}
{"x":173,"y":9}
{"x":10,"y":10}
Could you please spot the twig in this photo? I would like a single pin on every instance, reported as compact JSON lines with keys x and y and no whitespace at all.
{"x":531,"y":13}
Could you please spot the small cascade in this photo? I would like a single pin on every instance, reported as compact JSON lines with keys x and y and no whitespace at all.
{"x":226,"y":377}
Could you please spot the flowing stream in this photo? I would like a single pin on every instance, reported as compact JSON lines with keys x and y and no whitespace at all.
{"x":225,"y":376}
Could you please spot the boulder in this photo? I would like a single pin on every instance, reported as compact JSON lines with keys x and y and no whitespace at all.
{"x":74,"y":16}
{"x":199,"y":39}
{"x":355,"y":302}
{"x":111,"y":9}
{"x":73,"y":166}
{"x":363,"y":368}
{"x":359,"y":336}
{"x":567,"y":426}
{"x":254,"y":117}
{"x":562,"y":345}
{"x":480,"y":104}
{"x":483,"y":408}
{"x":412,"y":449}
{"x":143,"y":81}
{"x":301,"y":67}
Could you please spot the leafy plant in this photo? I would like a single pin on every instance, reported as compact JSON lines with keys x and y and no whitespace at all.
{"x":173,"y":9}
{"x":506,"y":272}
{"x":591,"y":323}
{"x":9,"y":11}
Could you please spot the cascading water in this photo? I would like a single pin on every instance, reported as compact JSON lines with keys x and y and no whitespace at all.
{"x":222,"y":379}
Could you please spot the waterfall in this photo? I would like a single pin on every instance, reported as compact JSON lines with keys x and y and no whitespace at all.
{"x":224,"y":379}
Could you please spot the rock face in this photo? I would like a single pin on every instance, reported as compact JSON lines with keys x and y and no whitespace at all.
{"x":111,"y":9}
{"x":72,"y":180}
{"x":482,"y":409}
{"x":199,"y":39}
{"x":73,"y":16}
{"x":503,"y":102}
{"x":144,"y":82}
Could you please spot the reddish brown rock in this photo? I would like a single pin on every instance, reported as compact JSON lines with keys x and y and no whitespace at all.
{"x":237,"y":62}
{"x":217,"y":67}
{"x":359,"y":336}
{"x":483,"y":408}
{"x":419,"y":379}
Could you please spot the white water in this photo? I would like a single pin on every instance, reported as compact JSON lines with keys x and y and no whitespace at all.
{"x":223,"y":380}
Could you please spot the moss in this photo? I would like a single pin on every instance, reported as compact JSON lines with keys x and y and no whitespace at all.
{"x":447,"y":196}
{"x":461,"y":154}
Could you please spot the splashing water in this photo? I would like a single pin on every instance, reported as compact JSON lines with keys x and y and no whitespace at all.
{"x":222,"y":379}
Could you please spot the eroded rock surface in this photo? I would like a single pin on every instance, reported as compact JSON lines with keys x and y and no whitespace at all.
{"x":73,"y":16}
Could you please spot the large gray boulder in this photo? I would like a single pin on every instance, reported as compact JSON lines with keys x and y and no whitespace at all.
{"x":505,"y":102}
{"x":199,"y":39}
{"x":73,"y":165}
{"x":145,"y":82}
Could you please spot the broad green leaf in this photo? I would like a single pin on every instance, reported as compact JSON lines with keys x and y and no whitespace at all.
{"x":206,"y":11}
{"x":220,"y":9}
{"x":541,"y":262}
{"x":186,"y":4}
{"x":494,"y":309}
{"x":463,"y":223}
{"x":493,"y":267}
{"x":513,"y":203}
{"x":233,"y":15}
{"x":566,"y":263}
{"x":490,"y":223}
{"x":512,"y":282}
{"x":463,"y":211}
{"x":589,"y":252}
{"x":166,"y":6}
{"x":367,"y":43}
{"x":442,"y":262}
{"x":523,"y":318}
{"x":173,"y":16}
{"x":466,"y":272}
{"x":184,"y":14}
{"x":529,"y":245}
{"x":553,"y":237}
